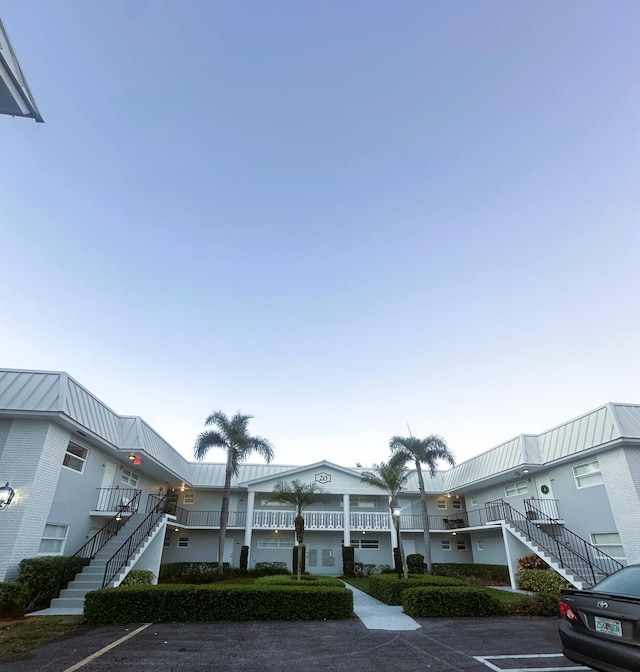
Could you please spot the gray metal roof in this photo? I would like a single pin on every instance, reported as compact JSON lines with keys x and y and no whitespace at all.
{"x":48,"y":393}
{"x":15,"y":97}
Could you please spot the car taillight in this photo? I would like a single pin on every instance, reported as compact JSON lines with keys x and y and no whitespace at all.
{"x":567,"y":612}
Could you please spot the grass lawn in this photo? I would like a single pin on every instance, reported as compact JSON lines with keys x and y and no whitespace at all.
{"x":19,"y":635}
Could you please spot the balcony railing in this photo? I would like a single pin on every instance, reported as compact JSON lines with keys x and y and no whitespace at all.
{"x":117,"y":499}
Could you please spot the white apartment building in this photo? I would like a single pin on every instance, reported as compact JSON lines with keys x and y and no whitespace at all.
{"x":570,"y":494}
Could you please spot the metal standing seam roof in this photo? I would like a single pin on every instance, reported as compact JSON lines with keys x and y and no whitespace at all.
{"x":50,"y":393}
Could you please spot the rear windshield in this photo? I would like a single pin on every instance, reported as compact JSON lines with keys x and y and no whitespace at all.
{"x":624,"y":582}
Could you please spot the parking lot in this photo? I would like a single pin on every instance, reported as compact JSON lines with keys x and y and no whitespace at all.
{"x":439,"y":645}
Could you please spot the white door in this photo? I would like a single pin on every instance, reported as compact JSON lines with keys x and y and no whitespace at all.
{"x":108,"y":476}
{"x":546,"y":501}
{"x":227,"y":556}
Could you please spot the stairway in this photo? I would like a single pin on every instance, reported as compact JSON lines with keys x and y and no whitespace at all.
{"x":574,"y":558}
{"x":71,"y":599}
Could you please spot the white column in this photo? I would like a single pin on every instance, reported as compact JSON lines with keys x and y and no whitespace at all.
{"x":347,"y":519}
{"x":248,"y":525}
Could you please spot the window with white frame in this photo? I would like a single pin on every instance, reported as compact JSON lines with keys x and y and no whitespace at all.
{"x":587,"y":474}
{"x":442,"y":503}
{"x":480,"y":544}
{"x":446,"y":544}
{"x":363,"y":543}
{"x":53,"y":539}
{"x":609,"y":543}
{"x":129,"y":478}
{"x":473,"y":501}
{"x":276,"y":541}
{"x":189,"y":498}
{"x":456,"y":504}
{"x":517,"y":488}
{"x":363,"y":502}
{"x":183,"y":542}
{"x":75,"y":458}
{"x":461,"y":545}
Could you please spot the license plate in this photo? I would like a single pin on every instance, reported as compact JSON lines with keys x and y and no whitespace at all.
{"x":608,"y":626}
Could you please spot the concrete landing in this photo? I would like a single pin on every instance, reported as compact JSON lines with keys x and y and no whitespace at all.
{"x":376,"y":615}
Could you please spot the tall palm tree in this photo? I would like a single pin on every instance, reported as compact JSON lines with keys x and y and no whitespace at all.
{"x":298,"y":495}
{"x":391,"y":477}
{"x":426,"y":451}
{"x":230,"y":435}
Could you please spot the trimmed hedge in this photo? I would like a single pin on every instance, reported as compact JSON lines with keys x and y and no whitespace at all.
{"x":138,"y":577}
{"x":452,"y":601}
{"x":218,"y":602}
{"x":306,"y":580}
{"x":14,"y":598}
{"x":43,"y":576}
{"x":545,"y":581}
{"x":480,"y":572}
{"x":389,"y":589}
{"x":207,"y":572}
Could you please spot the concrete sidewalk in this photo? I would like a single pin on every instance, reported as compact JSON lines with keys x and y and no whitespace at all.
{"x":376,"y":615}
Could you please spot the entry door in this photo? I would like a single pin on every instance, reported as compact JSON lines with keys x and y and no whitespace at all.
{"x":104,"y":494}
{"x":547,"y":503}
{"x":227,"y":556}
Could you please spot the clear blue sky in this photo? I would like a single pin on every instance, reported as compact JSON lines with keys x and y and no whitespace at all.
{"x":339,"y":217}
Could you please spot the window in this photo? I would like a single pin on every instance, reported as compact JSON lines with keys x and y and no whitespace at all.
{"x":167,"y":541}
{"x":461,"y":545}
{"x":442,"y":504}
{"x":364,"y":543}
{"x":609,"y":543}
{"x":473,"y":501}
{"x":129,"y":478}
{"x":587,"y":474}
{"x":480,"y":544}
{"x":364,"y":502}
{"x":183,"y":542}
{"x":75,"y":458}
{"x":53,"y":538}
{"x":446,"y":544}
{"x":189,"y":498}
{"x":456,"y":504}
{"x":517,"y":488}
{"x":276,"y":541}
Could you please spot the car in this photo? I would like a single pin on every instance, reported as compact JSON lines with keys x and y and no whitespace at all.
{"x":600,"y":626}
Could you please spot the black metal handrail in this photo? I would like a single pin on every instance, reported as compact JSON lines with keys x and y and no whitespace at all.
{"x":83,"y":556}
{"x":571,"y":551}
{"x":156,"y":509}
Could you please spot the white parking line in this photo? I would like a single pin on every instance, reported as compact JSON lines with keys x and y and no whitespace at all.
{"x":485,"y":661}
{"x":103,"y":650}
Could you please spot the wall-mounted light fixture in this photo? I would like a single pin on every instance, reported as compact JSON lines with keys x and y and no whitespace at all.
{"x":7,"y":493}
{"x":135,"y":459}
{"x":525,"y":471}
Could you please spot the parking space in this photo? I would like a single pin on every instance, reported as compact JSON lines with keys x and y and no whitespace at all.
{"x":439,"y":645}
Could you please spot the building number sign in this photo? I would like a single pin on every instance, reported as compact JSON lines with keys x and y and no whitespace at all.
{"x":323,"y":477}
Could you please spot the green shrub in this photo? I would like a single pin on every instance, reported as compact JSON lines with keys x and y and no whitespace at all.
{"x":389,"y":589}
{"x":138,"y":577}
{"x":415,"y":563}
{"x":306,"y":580}
{"x":532,"y":561}
{"x":218,"y":602}
{"x":482,"y":573}
{"x":44,"y":576}
{"x":542,"y":581}
{"x":451,"y":601}
{"x":14,"y":598}
{"x":271,"y":568}
{"x":362,"y":570}
{"x":542,"y":604}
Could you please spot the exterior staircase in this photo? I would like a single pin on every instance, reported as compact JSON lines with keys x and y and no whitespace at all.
{"x":109,"y":565}
{"x":574,"y":558}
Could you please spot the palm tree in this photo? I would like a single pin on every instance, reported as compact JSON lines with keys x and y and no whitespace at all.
{"x":230,"y":435}
{"x":391,"y":477}
{"x":422,"y":451}
{"x":298,"y":495}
